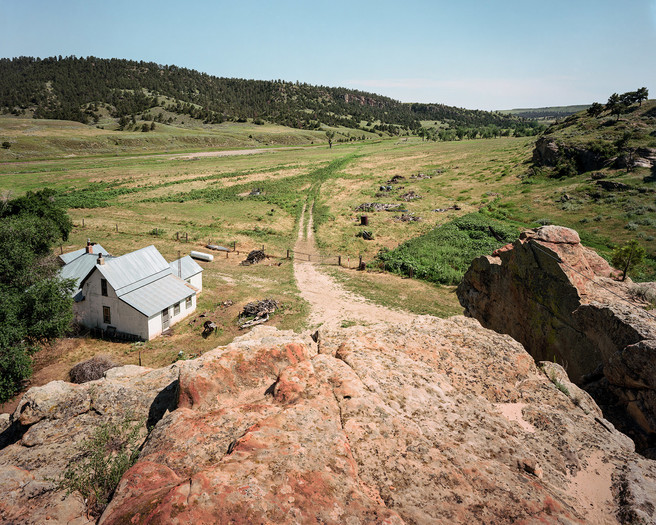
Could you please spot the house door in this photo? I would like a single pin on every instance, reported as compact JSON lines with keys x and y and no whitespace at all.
{"x":165,"y":318}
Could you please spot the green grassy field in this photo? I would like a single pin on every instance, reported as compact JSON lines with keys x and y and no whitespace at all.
{"x":120,"y":197}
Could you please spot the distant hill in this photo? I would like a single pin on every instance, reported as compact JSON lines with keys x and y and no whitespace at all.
{"x":88,"y":89}
{"x":548,"y":113}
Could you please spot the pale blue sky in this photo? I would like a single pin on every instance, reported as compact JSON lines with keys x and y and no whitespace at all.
{"x":491,"y":54}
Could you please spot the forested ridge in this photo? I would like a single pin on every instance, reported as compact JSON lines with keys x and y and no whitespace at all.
{"x":72,"y":88}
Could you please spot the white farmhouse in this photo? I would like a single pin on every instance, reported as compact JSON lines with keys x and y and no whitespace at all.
{"x":138,"y":294}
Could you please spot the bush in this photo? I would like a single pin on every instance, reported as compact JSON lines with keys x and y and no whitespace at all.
{"x":444,"y":254}
{"x":91,"y":369}
{"x":106,"y":456}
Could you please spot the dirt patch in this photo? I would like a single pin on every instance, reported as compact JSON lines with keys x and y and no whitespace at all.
{"x":330,"y":303}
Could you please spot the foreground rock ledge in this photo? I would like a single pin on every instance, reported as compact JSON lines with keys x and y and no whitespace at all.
{"x":563,"y":302}
{"x":438,"y":422}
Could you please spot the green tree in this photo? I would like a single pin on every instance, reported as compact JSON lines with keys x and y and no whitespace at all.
{"x":36,"y":303}
{"x":627,"y":256}
{"x":642,"y":94}
{"x":331,"y":135}
{"x":615,"y":105}
{"x":595,"y":109}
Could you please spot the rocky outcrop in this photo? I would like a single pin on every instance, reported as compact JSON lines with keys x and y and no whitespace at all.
{"x":441,"y":421}
{"x":560,"y":300}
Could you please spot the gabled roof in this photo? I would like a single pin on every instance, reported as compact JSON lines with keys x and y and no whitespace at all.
{"x":69,"y":257}
{"x":134,"y":270}
{"x":80,"y":267}
{"x":187,"y":267}
{"x":157,"y":295}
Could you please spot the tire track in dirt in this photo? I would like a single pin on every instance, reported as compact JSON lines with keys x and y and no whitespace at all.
{"x":330,"y":302}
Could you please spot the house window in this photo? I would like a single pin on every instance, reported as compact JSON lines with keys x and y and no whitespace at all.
{"x":103,"y":287}
{"x":107,"y":316}
{"x":188,"y":303}
{"x":176,"y":309}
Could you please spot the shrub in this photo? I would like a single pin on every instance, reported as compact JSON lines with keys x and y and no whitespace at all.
{"x":112,"y":449}
{"x":91,"y":369}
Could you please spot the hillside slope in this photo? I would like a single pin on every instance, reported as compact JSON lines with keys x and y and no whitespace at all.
{"x":84,"y":89}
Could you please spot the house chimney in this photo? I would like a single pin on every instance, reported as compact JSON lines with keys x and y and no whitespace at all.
{"x":89,"y":246}
{"x":101,"y":260}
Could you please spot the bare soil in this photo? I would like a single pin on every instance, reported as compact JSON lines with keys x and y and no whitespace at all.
{"x":331,"y":305}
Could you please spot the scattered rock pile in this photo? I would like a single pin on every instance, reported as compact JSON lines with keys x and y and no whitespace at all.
{"x":419,"y":176}
{"x":410,"y":196}
{"x":396,"y":179}
{"x":560,"y":300}
{"x":407,"y":217}
{"x":378,"y":206}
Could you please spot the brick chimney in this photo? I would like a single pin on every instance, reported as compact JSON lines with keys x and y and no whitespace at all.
{"x":101,"y":259}
{"x":89,"y":246}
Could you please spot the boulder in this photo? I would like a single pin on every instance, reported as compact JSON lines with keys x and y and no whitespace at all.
{"x":563,"y":303}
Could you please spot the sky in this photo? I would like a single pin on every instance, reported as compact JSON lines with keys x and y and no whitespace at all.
{"x":477,"y":54}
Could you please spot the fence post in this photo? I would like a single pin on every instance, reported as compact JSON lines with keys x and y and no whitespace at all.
{"x":234,"y":246}
{"x":339,"y":260}
{"x":186,"y":237}
{"x":308,"y":257}
{"x":116,"y":227}
{"x":287,"y":253}
{"x":82,"y":222}
{"x":227,"y":255}
{"x":177,"y":236}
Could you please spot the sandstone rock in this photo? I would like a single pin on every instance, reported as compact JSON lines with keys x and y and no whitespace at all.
{"x":560,"y":301}
{"x":440,"y":421}
{"x":45,"y":433}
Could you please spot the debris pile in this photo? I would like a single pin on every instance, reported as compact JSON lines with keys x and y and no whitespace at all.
{"x":420,"y":176}
{"x":407,"y":217}
{"x":378,"y":206}
{"x":396,"y":179}
{"x":255,"y":192}
{"x":367,"y":235}
{"x":410,"y":196}
{"x":254,"y":257}
{"x":454,"y":207}
{"x":257,"y":312}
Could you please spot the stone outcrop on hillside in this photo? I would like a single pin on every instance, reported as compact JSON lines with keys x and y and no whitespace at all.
{"x":563,"y":302}
{"x":441,"y":421}
{"x":549,"y":152}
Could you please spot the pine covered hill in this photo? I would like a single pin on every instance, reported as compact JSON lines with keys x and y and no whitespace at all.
{"x":81,"y":89}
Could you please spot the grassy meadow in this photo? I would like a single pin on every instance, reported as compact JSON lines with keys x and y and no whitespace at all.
{"x":155,"y":188}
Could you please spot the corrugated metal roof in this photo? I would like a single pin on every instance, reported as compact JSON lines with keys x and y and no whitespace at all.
{"x":154,"y":297}
{"x":134,"y":270}
{"x":80,"y":267}
{"x":71,"y":256}
{"x":188,"y":267}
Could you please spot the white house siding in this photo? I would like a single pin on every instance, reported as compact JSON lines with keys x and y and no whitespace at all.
{"x":123,"y":317}
{"x":155,"y":322}
{"x":196,"y":281}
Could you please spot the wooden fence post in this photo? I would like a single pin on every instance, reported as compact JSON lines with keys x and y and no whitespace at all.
{"x":339,"y":260}
{"x":82,"y":222}
{"x":287,"y":253}
{"x":186,"y":237}
{"x":116,"y":227}
{"x":177,"y":236}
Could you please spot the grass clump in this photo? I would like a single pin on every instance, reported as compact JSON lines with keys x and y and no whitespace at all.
{"x":106,"y":456}
{"x":443,"y":255}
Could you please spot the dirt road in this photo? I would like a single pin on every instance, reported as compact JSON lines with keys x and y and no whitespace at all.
{"x":331,"y":304}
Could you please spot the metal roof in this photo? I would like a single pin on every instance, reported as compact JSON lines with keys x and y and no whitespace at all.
{"x":155,"y":296}
{"x":187,"y":266}
{"x":134,"y":270}
{"x":80,"y":267}
{"x":69,"y":257}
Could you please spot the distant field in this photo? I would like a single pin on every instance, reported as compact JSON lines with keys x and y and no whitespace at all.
{"x":134,"y":197}
{"x":546,"y":113}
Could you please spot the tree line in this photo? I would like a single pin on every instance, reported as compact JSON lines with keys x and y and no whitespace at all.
{"x":72,"y":88}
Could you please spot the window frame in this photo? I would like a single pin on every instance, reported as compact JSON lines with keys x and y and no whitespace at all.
{"x":103,"y":287}
{"x":107,"y":315}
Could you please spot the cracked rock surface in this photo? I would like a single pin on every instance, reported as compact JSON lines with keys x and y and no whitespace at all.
{"x":436,"y":421}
